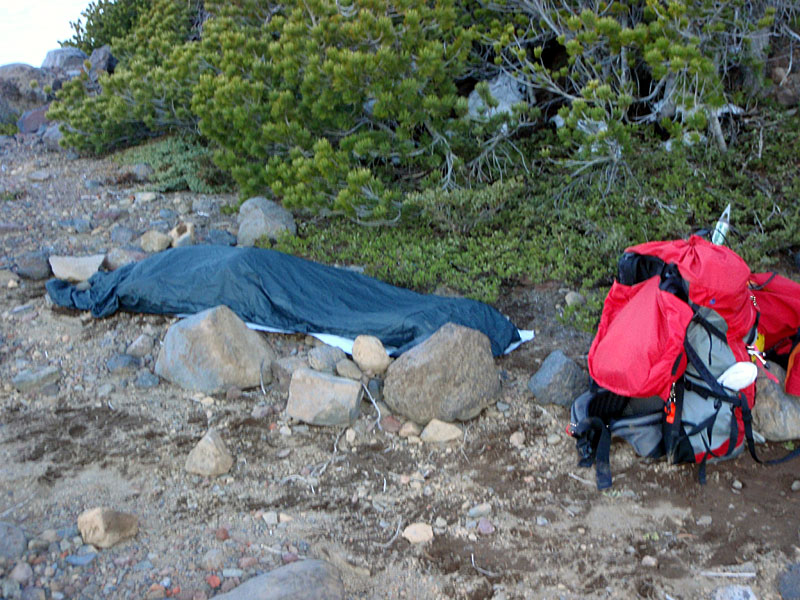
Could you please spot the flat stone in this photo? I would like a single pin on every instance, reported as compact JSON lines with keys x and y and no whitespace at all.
{"x":40,"y":175}
{"x":210,"y":457}
{"x":121,"y":234}
{"x":320,"y":398}
{"x":145,"y":197}
{"x":33,"y":379}
{"x":103,"y":527}
{"x":418,"y":533}
{"x":33,"y":593}
{"x":76,"y":268}
{"x":437,"y":431}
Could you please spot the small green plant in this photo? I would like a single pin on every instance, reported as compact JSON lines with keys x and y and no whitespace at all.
{"x":8,"y":128}
{"x":10,"y":195}
{"x":178,"y":164}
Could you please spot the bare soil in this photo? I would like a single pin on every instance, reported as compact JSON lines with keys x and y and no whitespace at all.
{"x":98,"y":439}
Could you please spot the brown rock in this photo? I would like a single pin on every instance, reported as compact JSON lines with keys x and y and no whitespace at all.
{"x":103,"y":527}
{"x":209,"y":457}
{"x":370,"y":355}
{"x":451,"y":376}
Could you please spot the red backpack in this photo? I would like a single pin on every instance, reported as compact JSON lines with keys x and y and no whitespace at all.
{"x":679,"y":316}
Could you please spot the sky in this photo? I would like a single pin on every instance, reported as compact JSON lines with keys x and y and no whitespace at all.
{"x":29,"y":28}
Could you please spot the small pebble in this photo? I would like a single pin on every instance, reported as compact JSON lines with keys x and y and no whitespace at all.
{"x":232,"y":573}
{"x":650,"y":561}
{"x":796,"y":485}
{"x":479,"y":510}
{"x":737,"y":485}
{"x":485,"y":526}
{"x":704,"y":521}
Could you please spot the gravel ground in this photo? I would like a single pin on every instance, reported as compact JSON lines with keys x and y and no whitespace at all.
{"x":512,"y":514}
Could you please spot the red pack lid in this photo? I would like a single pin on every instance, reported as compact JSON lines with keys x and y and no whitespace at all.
{"x":717,"y":277}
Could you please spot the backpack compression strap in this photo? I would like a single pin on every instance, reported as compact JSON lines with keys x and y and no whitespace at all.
{"x":594,"y":446}
{"x":739,"y":401}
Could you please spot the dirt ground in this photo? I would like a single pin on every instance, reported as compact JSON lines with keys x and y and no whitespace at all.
{"x":96,"y":438}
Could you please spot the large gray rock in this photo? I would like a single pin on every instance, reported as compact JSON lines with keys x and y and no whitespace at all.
{"x":212,"y":351}
{"x":504,"y":89}
{"x":321,"y":398}
{"x":450,"y":376}
{"x":259,"y":217}
{"x":12,"y":541}
{"x":558,"y":381}
{"x":306,"y":579}
{"x":67,"y":58}
{"x":776,"y":414}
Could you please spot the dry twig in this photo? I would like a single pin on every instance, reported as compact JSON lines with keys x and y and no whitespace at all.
{"x":394,"y":537}
{"x":482,"y":571}
{"x":375,"y":404}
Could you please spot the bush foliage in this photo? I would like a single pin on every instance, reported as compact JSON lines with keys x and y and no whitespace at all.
{"x":359,"y":109}
{"x":103,"y":21}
